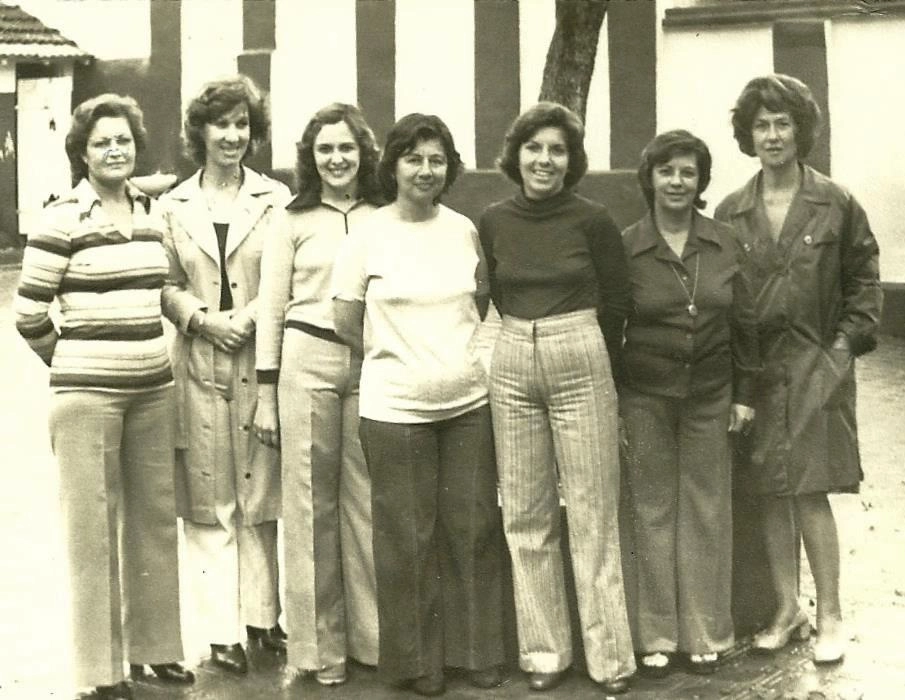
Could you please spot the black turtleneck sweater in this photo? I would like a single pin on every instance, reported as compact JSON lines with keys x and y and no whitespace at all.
{"x":554,"y":256}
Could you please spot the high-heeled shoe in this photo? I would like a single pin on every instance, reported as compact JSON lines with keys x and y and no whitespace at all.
{"x":273,"y":638}
{"x":168,"y":673}
{"x":768,"y":640}
{"x":541,"y":681}
{"x":829,"y":649}
{"x":229,"y":657}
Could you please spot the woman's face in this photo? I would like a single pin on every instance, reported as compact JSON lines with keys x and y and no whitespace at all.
{"x":675,"y":183}
{"x":337,"y":157}
{"x":226,"y":138}
{"x":773,"y":135}
{"x":110,"y":151}
{"x":421,"y":172}
{"x":544,"y":162}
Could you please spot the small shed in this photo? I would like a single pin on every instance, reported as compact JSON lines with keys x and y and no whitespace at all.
{"x":36,"y":68}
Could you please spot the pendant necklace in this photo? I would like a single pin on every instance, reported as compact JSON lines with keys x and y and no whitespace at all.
{"x":691,"y":308}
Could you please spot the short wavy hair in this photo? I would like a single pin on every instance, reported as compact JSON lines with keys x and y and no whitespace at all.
{"x":85,"y":116}
{"x":528,"y":123}
{"x":777,"y":93}
{"x":309,"y":181}
{"x":663,"y":148}
{"x":407,"y":133}
{"x":216,"y":99}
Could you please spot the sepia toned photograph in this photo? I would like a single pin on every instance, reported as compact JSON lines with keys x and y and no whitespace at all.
{"x":374,"y":349}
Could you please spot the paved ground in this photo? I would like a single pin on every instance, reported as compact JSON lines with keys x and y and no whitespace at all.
{"x":34,"y":657}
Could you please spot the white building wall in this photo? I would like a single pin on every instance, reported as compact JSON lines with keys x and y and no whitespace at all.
{"x":866,"y":63}
{"x":435,"y":65}
{"x":699,"y":76}
{"x":210,"y":42}
{"x":314,"y":64}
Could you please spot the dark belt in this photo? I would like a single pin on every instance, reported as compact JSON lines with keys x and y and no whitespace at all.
{"x":316,"y":331}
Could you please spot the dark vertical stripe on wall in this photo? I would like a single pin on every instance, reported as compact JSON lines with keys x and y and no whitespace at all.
{"x":632,"y":35}
{"x":497,"y":85}
{"x":799,"y":50}
{"x":259,"y":24}
{"x":259,"y":41}
{"x":160,"y":96}
{"x":9,"y":219}
{"x":376,"y":48}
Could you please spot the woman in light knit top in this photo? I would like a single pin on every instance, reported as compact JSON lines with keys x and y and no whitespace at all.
{"x":558,"y":278}
{"x":410,"y":288}
{"x":228,"y":482}
{"x":308,"y":383}
{"x":99,"y":254}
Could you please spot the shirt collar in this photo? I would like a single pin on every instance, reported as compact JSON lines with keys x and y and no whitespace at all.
{"x":87,"y":197}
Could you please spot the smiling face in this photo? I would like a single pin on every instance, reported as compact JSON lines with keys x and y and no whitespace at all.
{"x":337,"y":157}
{"x":773,"y":136}
{"x":544,"y":162}
{"x":421,"y":172}
{"x":675,"y":183}
{"x":226,"y":138}
{"x":110,"y":151}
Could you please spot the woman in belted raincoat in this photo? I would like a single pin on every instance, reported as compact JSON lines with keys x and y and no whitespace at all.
{"x":228,"y":482}
{"x":814,"y":265}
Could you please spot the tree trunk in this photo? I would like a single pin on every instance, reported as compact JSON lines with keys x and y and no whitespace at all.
{"x":570,"y":58}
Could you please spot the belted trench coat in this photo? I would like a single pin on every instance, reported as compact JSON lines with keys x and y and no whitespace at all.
{"x":818,"y":280}
{"x":201,"y":373}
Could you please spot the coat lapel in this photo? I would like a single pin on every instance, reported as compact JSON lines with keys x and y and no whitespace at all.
{"x":190,"y":210}
{"x":251,"y":204}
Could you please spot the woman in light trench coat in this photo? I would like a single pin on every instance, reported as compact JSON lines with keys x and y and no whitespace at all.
{"x":228,"y":488}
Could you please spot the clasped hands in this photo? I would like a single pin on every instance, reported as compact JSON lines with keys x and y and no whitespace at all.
{"x":226,"y":331}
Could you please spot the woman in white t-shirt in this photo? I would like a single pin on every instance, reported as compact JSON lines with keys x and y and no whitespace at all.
{"x":410,"y":289}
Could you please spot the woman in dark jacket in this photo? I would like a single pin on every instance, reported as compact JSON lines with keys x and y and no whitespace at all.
{"x":690,"y":358}
{"x":814,"y":265}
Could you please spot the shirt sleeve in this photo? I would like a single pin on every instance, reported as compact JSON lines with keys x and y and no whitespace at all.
{"x":744,"y":343}
{"x":274,"y":293}
{"x":486,"y":238}
{"x":608,"y":256}
{"x":44,"y":263}
{"x":862,"y":296}
{"x":349,"y":280}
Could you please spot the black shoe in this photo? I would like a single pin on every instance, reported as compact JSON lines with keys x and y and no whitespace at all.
{"x":273,"y":639}
{"x":614,"y":686}
{"x":173,"y":673}
{"x":702,"y":664}
{"x":229,"y":657}
{"x":119,"y":691}
{"x":427,"y":686}
{"x":545,"y":681}
{"x":648,"y":669}
{"x":486,"y":678}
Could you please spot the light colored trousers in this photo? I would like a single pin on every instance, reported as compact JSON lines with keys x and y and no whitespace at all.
{"x":331,"y":591}
{"x":115,"y":455}
{"x":554,"y":405}
{"x":679,"y":472}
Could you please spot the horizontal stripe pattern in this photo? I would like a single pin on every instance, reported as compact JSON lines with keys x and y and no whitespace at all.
{"x":107,"y":285}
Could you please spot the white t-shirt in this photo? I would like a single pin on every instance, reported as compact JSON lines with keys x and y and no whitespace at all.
{"x":418,"y":282}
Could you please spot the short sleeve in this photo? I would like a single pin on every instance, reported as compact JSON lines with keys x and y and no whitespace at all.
{"x":349,"y":281}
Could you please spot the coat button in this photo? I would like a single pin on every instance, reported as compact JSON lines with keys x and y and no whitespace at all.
{"x":808,"y":240}
{"x":244,"y":380}
{"x":247,"y":475}
{"x":244,"y":427}
{"x":234,"y":285}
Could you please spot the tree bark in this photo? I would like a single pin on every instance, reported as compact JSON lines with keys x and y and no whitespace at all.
{"x":573,"y":49}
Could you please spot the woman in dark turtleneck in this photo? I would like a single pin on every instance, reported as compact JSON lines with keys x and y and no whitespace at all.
{"x":559,"y":280}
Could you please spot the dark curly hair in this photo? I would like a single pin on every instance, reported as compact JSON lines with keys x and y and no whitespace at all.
{"x":216,"y":99}
{"x":777,"y":93}
{"x":662,"y":148}
{"x":407,"y":133}
{"x":85,"y":116}
{"x":528,"y":123}
{"x":309,"y":181}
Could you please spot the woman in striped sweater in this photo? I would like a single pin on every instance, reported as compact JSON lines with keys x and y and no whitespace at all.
{"x":99,"y":253}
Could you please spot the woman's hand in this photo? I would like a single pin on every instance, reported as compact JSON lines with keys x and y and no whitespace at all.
{"x":740,"y":418}
{"x":267,"y":420}
{"x":219,"y":328}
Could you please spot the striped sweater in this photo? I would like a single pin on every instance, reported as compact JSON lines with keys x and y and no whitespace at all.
{"x":110,"y":335}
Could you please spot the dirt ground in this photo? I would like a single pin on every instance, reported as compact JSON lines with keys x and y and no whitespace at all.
{"x":34,"y":632}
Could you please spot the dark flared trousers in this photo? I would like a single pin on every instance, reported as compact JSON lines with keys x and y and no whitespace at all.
{"x":437,"y":544}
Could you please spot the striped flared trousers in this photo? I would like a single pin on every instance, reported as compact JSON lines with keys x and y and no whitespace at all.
{"x":555,"y":421}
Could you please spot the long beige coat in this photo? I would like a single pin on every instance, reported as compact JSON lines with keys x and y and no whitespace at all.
{"x":193,"y":284}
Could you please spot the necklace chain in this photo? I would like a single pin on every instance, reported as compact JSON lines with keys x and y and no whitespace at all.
{"x":692,"y":307}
